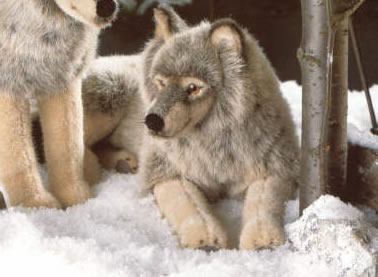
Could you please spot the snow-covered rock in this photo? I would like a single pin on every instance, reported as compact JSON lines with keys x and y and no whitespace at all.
{"x":338,"y":234}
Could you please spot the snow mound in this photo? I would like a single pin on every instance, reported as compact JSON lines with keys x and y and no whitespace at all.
{"x":338,"y":234}
{"x":332,"y":208}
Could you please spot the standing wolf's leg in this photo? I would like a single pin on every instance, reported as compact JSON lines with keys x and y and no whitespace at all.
{"x":263,"y":213}
{"x":188,"y":212}
{"x":62,"y":126}
{"x":18,"y":164}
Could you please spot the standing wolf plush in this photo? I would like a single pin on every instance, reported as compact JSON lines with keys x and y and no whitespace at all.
{"x":217,"y":126}
{"x":45,"y":46}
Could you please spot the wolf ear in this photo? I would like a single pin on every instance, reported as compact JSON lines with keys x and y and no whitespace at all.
{"x":167,"y":22}
{"x":226,"y":32}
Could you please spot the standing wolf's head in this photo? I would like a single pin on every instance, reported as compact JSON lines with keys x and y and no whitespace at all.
{"x":192,"y":73}
{"x":99,"y":13}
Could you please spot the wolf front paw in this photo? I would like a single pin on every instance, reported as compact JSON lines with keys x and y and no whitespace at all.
{"x":126,"y":163}
{"x":195,"y":233}
{"x":259,"y":234}
{"x":72,"y":194}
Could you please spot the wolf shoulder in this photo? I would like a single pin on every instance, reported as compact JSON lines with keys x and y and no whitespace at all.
{"x":45,"y":53}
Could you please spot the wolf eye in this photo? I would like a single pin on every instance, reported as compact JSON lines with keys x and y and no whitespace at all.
{"x":161,"y":83}
{"x":193,"y":89}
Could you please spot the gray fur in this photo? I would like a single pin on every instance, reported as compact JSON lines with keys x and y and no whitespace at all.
{"x":111,"y":87}
{"x":45,"y":53}
{"x":116,"y":92}
{"x":246,"y":132}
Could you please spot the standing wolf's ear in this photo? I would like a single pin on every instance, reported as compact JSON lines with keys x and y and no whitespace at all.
{"x":227,"y":33}
{"x":167,"y":22}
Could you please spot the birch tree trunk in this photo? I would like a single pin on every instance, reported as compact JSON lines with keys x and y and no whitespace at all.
{"x":324,"y":104}
{"x":312,"y":56}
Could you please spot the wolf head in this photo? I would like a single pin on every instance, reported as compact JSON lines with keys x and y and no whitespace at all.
{"x":99,"y":13}
{"x":188,"y":73}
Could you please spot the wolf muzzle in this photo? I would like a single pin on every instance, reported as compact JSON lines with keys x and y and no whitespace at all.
{"x":105,"y":8}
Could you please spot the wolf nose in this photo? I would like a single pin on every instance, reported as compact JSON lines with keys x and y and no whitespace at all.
{"x":154,"y":122}
{"x":105,"y":8}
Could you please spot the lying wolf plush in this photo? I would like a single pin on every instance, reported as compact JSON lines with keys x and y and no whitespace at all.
{"x":217,"y":126}
{"x":45,"y":46}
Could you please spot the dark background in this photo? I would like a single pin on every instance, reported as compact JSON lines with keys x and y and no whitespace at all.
{"x":276,"y":24}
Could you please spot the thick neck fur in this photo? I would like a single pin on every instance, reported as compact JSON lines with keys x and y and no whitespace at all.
{"x":49,"y":8}
{"x":35,"y":9}
{"x":42,"y":50}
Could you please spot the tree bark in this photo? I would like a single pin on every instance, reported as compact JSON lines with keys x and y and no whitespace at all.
{"x":336,"y":141}
{"x":312,"y":56}
{"x":324,"y":61}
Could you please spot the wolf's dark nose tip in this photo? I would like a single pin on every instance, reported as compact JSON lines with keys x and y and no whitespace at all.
{"x":105,"y":8}
{"x":154,"y":122}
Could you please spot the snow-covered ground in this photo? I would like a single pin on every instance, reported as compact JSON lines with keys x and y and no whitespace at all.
{"x":120,"y":231}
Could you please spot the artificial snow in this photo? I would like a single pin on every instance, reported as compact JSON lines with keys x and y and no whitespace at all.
{"x":120,"y":232}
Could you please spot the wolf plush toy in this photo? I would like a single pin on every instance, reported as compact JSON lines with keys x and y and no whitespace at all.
{"x":217,"y":126}
{"x":45,"y":46}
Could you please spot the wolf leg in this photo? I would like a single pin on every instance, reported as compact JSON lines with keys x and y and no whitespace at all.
{"x":18,"y":164}
{"x":263,"y":214}
{"x":62,"y":126}
{"x":187,"y":210}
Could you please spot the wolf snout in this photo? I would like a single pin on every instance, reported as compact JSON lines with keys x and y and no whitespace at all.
{"x":105,"y":8}
{"x":154,"y":122}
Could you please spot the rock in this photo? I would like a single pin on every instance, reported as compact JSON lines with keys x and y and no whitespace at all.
{"x":338,"y":234}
